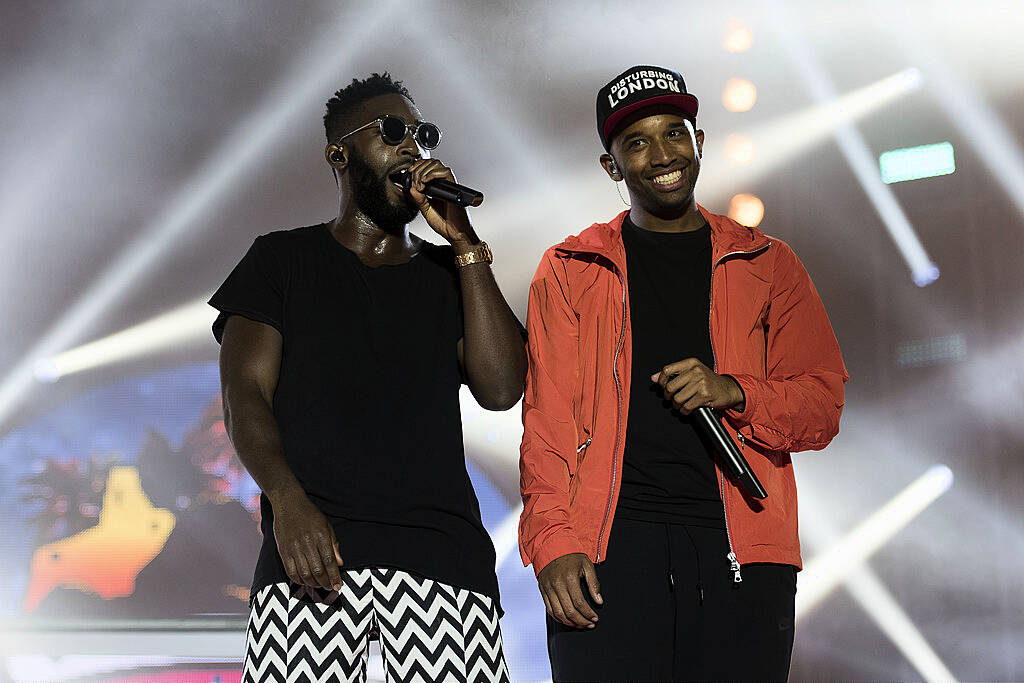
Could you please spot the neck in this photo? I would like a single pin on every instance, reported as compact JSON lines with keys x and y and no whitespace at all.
{"x":686,"y":220}
{"x":369,"y":241}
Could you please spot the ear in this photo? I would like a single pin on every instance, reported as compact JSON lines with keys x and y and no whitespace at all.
{"x":336,"y":156}
{"x":610,"y":167}
{"x":699,"y":134}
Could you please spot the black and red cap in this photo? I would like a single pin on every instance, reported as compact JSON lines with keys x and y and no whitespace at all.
{"x":641,"y":87}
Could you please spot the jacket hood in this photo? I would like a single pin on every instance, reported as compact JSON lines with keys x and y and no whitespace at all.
{"x":727,"y":236}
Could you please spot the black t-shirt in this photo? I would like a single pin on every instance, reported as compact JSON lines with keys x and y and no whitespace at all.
{"x":668,"y":472}
{"x":367,"y":402}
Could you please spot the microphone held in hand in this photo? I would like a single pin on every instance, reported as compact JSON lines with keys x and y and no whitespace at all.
{"x":731,"y":456}
{"x":441,"y":189}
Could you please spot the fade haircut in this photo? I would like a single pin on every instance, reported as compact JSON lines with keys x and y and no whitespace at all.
{"x":355,"y":92}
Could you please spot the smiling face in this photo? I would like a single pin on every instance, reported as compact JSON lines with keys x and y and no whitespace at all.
{"x":658,"y":157}
{"x":368,"y":161}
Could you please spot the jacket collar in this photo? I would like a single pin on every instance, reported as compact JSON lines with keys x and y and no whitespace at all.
{"x":605,"y":239}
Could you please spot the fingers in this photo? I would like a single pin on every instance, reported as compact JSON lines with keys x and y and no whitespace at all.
{"x":565,"y":601}
{"x":291,"y":568}
{"x":593,"y":585}
{"x":303,"y":573}
{"x":663,"y":376}
{"x":560,"y":587}
{"x":677,"y":382}
{"x":316,"y":565}
{"x":554,"y":605}
{"x":689,"y":398}
{"x":328,"y":549}
{"x":580,"y":603}
{"x":425,"y":170}
{"x":688,"y":384}
{"x":570,"y":613}
{"x":422,"y":172}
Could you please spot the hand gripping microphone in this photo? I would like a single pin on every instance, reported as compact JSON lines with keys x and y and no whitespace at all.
{"x":441,"y":189}
{"x":731,"y":456}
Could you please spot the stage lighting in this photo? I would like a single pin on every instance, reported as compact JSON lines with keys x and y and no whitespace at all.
{"x":186,"y":324}
{"x":913,"y":163}
{"x":738,"y":38}
{"x":923,"y":352}
{"x":505,"y":537}
{"x":315,"y":73}
{"x":981,"y":126}
{"x":818,"y":84}
{"x":746,"y":209}
{"x":893,"y":620}
{"x":739,"y":95}
{"x":829,"y":568}
{"x":739,"y":149}
{"x":877,"y":602}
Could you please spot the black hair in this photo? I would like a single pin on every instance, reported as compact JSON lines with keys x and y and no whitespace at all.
{"x":355,"y":92}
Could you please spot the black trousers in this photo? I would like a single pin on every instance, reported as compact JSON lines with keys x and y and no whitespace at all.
{"x":672,"y":612}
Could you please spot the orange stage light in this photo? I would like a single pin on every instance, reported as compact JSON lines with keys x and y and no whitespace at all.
{"x":746,"y":209}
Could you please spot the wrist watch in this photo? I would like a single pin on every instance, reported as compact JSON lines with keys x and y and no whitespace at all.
{"x":481,"y":253}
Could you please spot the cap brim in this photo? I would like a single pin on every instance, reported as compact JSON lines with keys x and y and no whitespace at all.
{"x":686,"y":103}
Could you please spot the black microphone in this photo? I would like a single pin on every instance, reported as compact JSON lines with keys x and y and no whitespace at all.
{"x":441,"y":189}
{"x":731,"y":456}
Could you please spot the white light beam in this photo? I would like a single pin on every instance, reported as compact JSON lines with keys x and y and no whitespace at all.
{"x":506,"y":537}
{"x":977,"y":121}
{"x":224,"y":169}
{"x":820,"y":87}
{"x":875,"y":599}
{"x":185,"y":324}
{"x":831,"y":567}
{"x":893,"y":621}
{"x":777,"y":142}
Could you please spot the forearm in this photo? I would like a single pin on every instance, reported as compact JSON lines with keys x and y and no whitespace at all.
{"x":254,"y":433}
{"x":494,"y":355}
{"x":547,"y":464}
{"x":796,"y":414}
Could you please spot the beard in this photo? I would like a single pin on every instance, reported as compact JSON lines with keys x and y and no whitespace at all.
{"x":370,"y":192}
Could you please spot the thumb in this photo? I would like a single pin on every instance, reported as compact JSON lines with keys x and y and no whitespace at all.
{"x":590,"y":574}
{"x":337,"y":553}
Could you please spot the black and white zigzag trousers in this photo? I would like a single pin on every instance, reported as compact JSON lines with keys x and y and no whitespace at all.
{"x":429,"y":631}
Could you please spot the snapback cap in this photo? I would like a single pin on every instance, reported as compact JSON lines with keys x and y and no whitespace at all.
{"x":637,"y":88}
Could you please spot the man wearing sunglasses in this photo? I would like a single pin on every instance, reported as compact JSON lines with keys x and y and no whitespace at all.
{"x":653,"y":563}
{"x":343,"y":348}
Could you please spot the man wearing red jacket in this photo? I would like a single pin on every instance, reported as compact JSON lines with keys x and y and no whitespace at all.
{"x":652,"y":562}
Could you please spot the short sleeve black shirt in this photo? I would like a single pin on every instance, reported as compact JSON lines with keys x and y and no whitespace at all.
{"x":668,"y":472}
{"x":367,"y":402}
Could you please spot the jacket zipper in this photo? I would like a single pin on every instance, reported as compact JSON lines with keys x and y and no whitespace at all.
{"x":734,"y":563}
{"x":618,"y":425}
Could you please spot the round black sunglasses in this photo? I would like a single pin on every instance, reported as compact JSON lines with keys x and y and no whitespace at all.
{"x":393,"y":130}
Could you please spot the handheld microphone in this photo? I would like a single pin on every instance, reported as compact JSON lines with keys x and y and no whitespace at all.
{"x":731,"y":456}
{"x":441,"y":189}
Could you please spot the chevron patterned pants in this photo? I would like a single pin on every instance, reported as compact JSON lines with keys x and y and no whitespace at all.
{"x":429,"y":631}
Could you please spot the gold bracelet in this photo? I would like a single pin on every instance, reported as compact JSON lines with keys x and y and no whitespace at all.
{"x":481,"y":253}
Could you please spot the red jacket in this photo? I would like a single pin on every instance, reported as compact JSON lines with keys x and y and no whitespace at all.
{"x":769,"y":331}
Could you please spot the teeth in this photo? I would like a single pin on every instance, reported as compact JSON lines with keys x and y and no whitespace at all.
{"x":668,"y":178}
